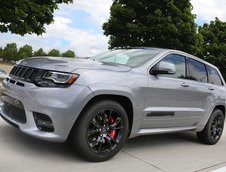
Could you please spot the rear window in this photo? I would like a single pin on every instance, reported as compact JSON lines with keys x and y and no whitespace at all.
{"x":197,"y":71}
{"x":214,"y":77}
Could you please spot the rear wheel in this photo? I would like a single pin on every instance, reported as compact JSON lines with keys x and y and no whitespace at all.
{"x":101,"y":131}
{"x":213,"y":129}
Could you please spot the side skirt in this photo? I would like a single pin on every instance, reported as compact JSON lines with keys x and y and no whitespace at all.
{"x":164,"y":130}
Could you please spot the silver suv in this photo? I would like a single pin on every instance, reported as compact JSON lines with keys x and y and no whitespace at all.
{"x":98,"y":103}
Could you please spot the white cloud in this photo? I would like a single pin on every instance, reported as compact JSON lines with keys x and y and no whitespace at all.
{"x":35,"y":41}
{"x":84,"y":43}
{"x":98,"y":10}
{"x":64,"y":35}
{"x":207,"y":10}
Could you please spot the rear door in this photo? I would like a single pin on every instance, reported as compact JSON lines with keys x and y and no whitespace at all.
{"x":177,"y":100}
{"x":216,"y":88}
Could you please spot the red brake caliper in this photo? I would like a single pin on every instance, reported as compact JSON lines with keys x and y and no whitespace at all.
{"x":113,"y":132}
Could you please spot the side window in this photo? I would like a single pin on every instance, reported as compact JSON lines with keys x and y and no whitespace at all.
{"x":197,"y":71}
{"x":180,"y":65}
{"x":214,"y":77}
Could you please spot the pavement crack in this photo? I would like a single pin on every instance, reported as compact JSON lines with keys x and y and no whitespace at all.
{"x":143,"y":161}
{"x":210,"y":167}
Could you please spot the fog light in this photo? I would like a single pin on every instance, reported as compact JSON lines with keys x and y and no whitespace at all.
{"x":43,"y":122}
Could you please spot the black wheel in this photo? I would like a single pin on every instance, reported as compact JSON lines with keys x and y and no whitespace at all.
{"x":101,"y":131}
{"x":213,"y":129}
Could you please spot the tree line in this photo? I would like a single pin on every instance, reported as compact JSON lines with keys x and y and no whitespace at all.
{"x":12,"y":53}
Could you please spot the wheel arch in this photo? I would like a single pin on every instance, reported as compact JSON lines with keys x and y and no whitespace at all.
{"x":121,"y":99}
{"x":205,"y":120}
{"x":220,"y":107}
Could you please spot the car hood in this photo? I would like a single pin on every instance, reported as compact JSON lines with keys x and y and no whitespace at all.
{"x":70,"y":64}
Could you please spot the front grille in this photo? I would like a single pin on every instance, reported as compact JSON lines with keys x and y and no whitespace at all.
{"x":25,"y":73}
{"x":15,"y":113}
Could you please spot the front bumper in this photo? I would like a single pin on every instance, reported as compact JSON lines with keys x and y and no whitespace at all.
{"x":62,"y":105}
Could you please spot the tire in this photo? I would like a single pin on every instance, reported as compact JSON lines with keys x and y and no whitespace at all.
{"x":213,"y":130}
{"x":101,"y":131}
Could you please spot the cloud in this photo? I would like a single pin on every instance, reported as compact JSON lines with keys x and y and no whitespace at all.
{"x":83,"y":42}
{"x":62,"y":36}
{"x":207,"y":10}
{"x":67,"y":33}
{"x":98,"y":10}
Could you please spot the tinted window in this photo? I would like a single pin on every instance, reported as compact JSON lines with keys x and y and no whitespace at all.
{"x":179,"y":62}
{"x":197,"y":71}
{"x":214,"y":77}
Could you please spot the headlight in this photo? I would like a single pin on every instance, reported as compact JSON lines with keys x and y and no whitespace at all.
{"x":56,"y":79}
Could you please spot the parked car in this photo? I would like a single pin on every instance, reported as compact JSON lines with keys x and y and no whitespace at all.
{"x":100,"y":102}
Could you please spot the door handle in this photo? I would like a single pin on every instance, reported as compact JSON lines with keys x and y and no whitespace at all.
{"x":211,"y":88}
{"x":185,"y":85}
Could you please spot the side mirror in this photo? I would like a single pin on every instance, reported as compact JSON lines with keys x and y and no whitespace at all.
{"x":163,"y":68}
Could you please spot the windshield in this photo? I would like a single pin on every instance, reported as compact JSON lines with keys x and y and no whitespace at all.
{"x":128,"y":57}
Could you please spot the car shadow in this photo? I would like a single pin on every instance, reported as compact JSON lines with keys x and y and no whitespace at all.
{"x":35,"y":146}
{"x":23,"y":143}
{"x":161,"y":140}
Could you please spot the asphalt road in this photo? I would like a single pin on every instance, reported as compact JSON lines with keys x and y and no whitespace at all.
{"x":179,"y":152}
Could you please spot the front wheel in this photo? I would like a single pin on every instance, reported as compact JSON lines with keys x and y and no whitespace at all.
{"x":213,"y":130}
{"x":101,"y":131}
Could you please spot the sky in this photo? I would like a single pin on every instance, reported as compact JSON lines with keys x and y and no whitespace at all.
{"x":78,"y":26}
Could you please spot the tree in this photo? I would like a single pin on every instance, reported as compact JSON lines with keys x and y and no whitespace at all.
{"x":155,"y":23}
{"x":54,"y":53}
{"x":27,"y":16}
{"x":39,"y":52}
{"x":1,"y":52}
{"x":214,"y":46}
{"x":68,"y":53}
{"x":25,"y":52}
{"x":10,"y":52}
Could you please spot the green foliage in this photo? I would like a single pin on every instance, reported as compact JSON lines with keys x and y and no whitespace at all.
{"x":68,"y":53}
{"x":214,"y":46}
{"x":25,"y":52}
{"x":1,"y":52}
{"x":10,"y":52}
{"x":39,"y":52}
{"x":54,"y":53}
{"x":27,"y":16}
{"x":155,"y":23}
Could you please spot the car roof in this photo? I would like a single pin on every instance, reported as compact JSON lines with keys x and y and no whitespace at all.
{"x":150,"y":48}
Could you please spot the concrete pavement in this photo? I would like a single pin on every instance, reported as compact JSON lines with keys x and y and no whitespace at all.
{"x":179,"y":152}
